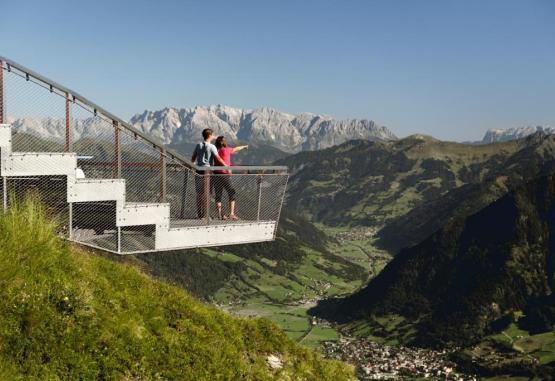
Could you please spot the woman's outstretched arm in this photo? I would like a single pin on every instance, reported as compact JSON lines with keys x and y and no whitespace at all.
{"x":239,"y":148}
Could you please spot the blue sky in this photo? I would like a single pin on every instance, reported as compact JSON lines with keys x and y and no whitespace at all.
{"x":451,"y":69}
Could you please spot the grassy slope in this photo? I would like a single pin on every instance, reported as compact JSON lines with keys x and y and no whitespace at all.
{"x":69,"y":315}
{"x":512,"y":352}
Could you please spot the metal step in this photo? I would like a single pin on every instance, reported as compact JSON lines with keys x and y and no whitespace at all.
{"x":136,"y":214}
{"x":39,"y":164}
{"x":92,"y":190}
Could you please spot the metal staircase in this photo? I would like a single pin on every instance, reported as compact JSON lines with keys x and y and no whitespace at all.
{"x":119,"y":190}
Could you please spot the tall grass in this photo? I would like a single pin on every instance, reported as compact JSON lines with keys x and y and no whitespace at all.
{"x":26,"y":234}
{"x":69,"y":315}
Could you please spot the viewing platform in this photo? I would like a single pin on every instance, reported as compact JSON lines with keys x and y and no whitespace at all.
{"x":116,"y":188}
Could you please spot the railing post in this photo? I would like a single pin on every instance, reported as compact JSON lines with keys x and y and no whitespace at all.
{"x":2,"y":100}
{"x":184,"y":191}
{"x":163,"y":175}
{"x":259,"y":192}
{"x":207,"y":195}
{"x":68,"y":125}
{"x":117,"y":148}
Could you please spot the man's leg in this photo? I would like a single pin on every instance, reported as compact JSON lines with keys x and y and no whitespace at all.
{"x":206,"y":198}
{"x":199,"y":185}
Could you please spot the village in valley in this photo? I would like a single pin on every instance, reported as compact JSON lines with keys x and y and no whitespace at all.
{"x":374,"y":361}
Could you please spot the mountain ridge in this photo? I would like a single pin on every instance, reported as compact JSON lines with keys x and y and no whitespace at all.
{"x":182,"y":127}
{"x":373,"y":183}
{"x":494,"y":135}
{"x":287,"y":132}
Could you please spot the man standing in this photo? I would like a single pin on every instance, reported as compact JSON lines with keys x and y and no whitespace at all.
{"x":205,"y":155}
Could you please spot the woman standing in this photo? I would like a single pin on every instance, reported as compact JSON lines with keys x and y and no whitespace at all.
{"x":223,"y":179}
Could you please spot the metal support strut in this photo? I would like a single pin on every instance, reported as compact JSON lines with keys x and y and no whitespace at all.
{"x":117,"y":142}
{"x":5,"y":193}
{"x":119,"y":239}
{"x":70,"y":222}
{"x":259,"y":193}
{"x":163,"y":175}
{"x":2,"y":101}
{"x":68,"y":125}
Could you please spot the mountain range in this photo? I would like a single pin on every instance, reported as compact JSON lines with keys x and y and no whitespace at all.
{"x":289,"y":133}
{"x":263,"y":128}
{"x":180,"y":128}
{"x":502,"y":135}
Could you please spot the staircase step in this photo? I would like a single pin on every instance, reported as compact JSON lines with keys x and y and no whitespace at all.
{"x":91,"y":190}
{"x":141,"y":213}
{"x":5,"y":139}
{"x":39,"y":164}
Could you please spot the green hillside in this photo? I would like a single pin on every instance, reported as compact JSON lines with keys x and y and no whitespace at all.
{"x":368,"y":183}
{"x":390,"y":185}
{"x":67,"y":314}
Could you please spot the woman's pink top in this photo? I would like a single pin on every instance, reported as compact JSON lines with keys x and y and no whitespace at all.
{"x":225,"y":155}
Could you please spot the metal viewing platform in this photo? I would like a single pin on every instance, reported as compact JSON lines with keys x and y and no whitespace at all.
{"x":119,"y":189}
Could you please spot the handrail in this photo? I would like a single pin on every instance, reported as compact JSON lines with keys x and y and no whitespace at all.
{"x":165,"y":151}
{"x":245,"y":168}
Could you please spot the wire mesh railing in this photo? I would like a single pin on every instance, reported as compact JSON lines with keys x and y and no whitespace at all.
{"x":48,"y":118}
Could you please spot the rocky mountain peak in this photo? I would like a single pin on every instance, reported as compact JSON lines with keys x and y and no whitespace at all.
{"x":265,"y":125}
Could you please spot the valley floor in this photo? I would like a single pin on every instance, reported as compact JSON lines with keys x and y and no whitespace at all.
{"x":286,"y":298}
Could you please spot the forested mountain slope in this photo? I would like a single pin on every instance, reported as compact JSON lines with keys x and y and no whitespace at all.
{"x":476,"y":269}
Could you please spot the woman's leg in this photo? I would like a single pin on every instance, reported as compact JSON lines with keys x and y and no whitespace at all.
{"x":232,"y":207}
{"x":218,"y":190}
{"x":231,"y":195}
